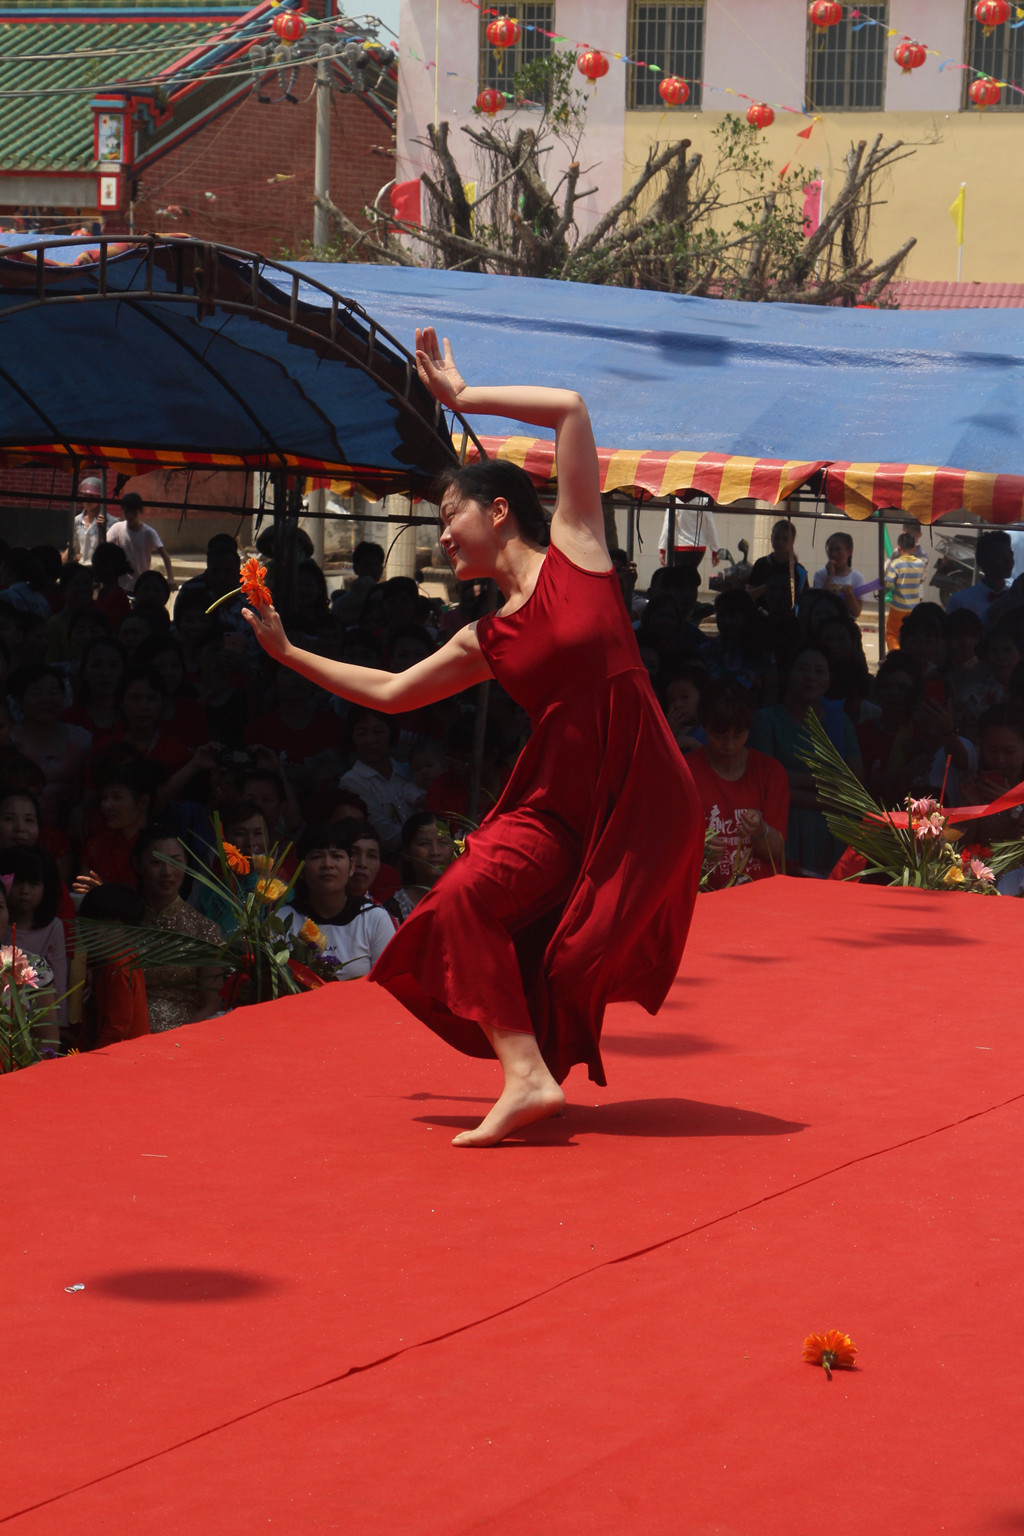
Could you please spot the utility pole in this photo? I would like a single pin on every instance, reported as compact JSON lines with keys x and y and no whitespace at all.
{"x":322,"y":164}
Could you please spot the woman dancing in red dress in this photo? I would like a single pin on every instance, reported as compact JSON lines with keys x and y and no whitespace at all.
{"x":577,"y":889}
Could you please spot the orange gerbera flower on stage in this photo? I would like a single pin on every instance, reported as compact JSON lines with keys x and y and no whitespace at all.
{"x":253,"y":585}
{"x":237,"y":860}
{"x":832,"y":1351}
{"x":309,"y":933}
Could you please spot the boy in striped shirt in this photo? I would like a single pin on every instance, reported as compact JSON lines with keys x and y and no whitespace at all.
{"x":904,"y":577}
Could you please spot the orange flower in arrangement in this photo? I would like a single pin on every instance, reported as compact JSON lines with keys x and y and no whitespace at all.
{"x":251,"y":584}
{"x":309,"y":933}
{"x":271,"y":890}
{"x":237,"y":860}
{"x":832,"y":1350}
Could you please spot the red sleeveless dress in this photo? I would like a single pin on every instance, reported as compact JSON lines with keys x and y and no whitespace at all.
{"x":578,"y":888}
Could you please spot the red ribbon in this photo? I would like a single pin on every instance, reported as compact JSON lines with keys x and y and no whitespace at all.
{"x":1007,"y":801}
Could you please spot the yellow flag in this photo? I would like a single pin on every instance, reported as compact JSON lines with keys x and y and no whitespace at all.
{"x":956,"y":213}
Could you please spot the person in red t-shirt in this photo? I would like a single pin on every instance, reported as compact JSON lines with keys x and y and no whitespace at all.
{"x":744,"y":794}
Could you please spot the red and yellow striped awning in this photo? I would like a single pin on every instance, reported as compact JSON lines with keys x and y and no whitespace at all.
{"x":922,"y":491}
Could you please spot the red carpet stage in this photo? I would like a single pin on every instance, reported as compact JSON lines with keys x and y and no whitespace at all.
{"x":301,"y":1310}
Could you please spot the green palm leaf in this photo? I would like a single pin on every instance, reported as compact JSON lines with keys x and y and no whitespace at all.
{"x":107,"y":943}
{"x":854,"y":816}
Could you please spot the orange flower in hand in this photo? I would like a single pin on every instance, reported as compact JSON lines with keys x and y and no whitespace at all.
{"x":832,"y":1350}
{"x":253,"y":585}
{"x":237,"y":860}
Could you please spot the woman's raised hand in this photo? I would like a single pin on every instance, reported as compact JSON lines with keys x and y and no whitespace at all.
{"x":437,"y":369}
{"x":266,"y":625}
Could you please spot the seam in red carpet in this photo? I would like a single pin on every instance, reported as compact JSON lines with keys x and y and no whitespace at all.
{"x":639,"y":1253}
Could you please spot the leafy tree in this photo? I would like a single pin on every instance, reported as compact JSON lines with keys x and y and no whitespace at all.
{"x":726,"y":226}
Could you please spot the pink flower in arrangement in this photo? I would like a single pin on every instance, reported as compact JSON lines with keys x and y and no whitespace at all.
{"x":981,"y":871}
{"x":15,"y":960}
{"x":930,"y":826}
{"x":922,"y":807}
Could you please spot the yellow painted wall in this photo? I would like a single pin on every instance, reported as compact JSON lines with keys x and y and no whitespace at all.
{"x":982,"y":149}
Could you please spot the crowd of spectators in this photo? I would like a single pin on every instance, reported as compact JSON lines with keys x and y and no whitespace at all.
{"x":131,"y":717}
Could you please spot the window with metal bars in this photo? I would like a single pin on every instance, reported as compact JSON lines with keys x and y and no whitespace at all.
{"x":846,"y":63}
{"x":671,"y":37}
{"x":1000,"y":55}
{"x":499,"y":66}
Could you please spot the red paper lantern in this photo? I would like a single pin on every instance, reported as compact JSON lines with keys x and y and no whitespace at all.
{"x":490,"y":101}
{"x":990,"y":14}
{"x":289,"y":26}
{"x":909,"y":56}
{"x":592,"y":63}
{"x":760,"y":115}
{"x":673,"y":91}
{"x":504,"y":32}
{"x":984,"y":93}
{"x":825,"y":14}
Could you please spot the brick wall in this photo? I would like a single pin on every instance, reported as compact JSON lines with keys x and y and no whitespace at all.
{"x":225,"y":178}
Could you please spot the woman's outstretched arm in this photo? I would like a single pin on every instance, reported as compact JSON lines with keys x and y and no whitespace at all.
{"x":456,"y":666}
{"x":578,"y":523}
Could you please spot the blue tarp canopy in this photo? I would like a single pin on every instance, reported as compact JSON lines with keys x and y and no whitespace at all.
{"x":182,"y":353}
{"x":662,"y":374}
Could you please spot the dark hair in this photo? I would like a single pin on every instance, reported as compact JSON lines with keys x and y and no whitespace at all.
{"x":131,"y":501}
{"x":110,"y":560}
{"x":154,"y":579}
{"x":90,"y":614}
{"x":411,"y":828}
{"x":694,"y":672}
{"x":140,"y":779}
{"x":73,"y":570}
{"x":148,"y":675}
{"x":326,"y":834}
{"x":485,"y":481}
{"x":1002,"y":717}
{"x":784,"y":522}
{"x":366,"y":551}
{"x":414,"y":632}
{"x":725,"y":707}
{"x":362,"y":830}
{"x":22,"y":566}
{"x":925,"y":616}
{"x":262,"y":776}
{"x":113,"y":903}
{"x":48,"y":560}
{"x":241,"y":810}
{"x":35,"y":864}
{"x":964,"y":621}
{"x":101,"y":643}
{"x":897,"y":662}
{"x":147,"y":653}
{"x":907,"y":541}
{"x":361,"y":712}
{"x":21,"y":680}
{"x":160,"y":832}
{"x":17,"y":767}
{"x":844,"y":538}
{"x":989,"y":542}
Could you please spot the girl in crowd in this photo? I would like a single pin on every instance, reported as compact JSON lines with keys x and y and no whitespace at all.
{"x":781,"y":732}
{"x":427,"y":851}
{"x":32,"y":901}
{"x":177,"y":994}
{"x":60,"y":750}
{"x":744,"y":795}
{"x":570,"y":893}
{"x":96,"y":706}
{"x":838,"y":575}
{"x":356,"y":930}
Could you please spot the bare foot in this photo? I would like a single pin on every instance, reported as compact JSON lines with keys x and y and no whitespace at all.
{"x":523,"y":1101}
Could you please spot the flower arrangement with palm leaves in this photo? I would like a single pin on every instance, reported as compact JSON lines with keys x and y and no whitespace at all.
{"x":261,"y":958}
{"x":27,"y":1005}
{"x":915,"y":847}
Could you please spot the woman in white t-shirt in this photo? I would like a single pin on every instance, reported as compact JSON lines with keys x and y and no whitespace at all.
{"x":356,"y":929}
{"x":838,"y":575}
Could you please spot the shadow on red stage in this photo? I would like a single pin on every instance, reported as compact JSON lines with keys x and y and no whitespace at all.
{"x":249,"y":1284}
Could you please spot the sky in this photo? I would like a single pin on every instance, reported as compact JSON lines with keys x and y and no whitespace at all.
{"x":387,"y":11}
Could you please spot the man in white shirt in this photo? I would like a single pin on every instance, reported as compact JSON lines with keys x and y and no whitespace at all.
{"x":139,"y":541}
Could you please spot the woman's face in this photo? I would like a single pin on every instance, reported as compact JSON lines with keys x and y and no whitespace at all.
{"x":365,"y":865}
{"x":371,"y":739}
{"x":19,"y":825}
{"x":837,"y":552}
{"x":1002,"y":753}
{"x":43,"y":701}
{"x":467,"y":539}
{"x":808,"y":678}
{"x":429,"y":854}
{"x":141,"y":705}
{"x":119,"y":807}
{"x":327,"y":872}
{"x":132,"y":632}
{"x":102,"y":671}
{"x":24,"y":899}
{"x":160,"y":882}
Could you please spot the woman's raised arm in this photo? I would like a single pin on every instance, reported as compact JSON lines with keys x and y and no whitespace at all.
{"x":456,"y":666}
{"x":578,"y":523}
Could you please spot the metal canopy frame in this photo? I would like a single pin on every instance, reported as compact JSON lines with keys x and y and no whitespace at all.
{"x":214,"y":277}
